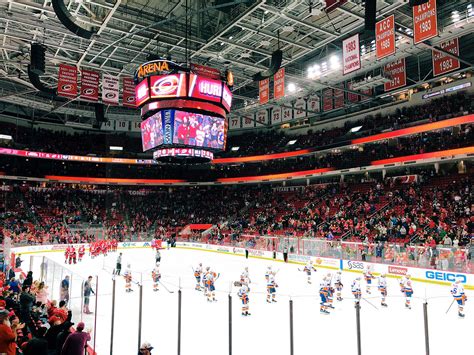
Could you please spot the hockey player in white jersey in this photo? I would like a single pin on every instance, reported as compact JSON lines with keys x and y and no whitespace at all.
{"x":408,"y":291}
{"x":368,"y":276}
{"x":244,"y":277}
{"x":356,"y":290}
{"x":197,"y":274}
{"x":457,"y":290}
{"x":338,"y":285}
{"x":268,"y":272}
{"x":383,"y":289}
{"x":325,"y":295}
{"x":308,"y":269}
{"x":271,"y":287}
{"x":244,"y":296}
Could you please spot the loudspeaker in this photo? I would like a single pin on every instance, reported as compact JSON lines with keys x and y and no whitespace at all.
{"x":275,"y":65}
{"x":370,"y":9}
{"x":99,"y":113}
{"x":417,"y":2}
{"x":37,"y":58}
{"x":68,"y":21}
{"x":35,"y":80}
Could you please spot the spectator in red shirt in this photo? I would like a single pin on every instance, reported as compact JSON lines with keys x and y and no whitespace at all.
{"x":7,"y":334}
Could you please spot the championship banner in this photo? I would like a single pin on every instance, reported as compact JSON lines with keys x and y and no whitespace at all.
{"x":234,"y":123}
{"x":110,"y":89}
{"x":262,"y":118}
{"x":396,"y":72}
{"x":425,"y":21}
{"x":279,"y":84}
{"x":350,"y":54}
{"x":443,"y":63}
{"x":350,"y":96}
{"x":67,"y":81}
{"x":299,"y":108}
{"x":89,"y":85}
{"x":314,"y":104}
{"x":276,"y":115}
{"x":286,"y":114}
{"x":263,"y":91}
{"x":385,"y":37}
{"x":248,"y":122}
{"x":128,"y":92}
{"x":327,"y":100}
{"x":339,"y":97}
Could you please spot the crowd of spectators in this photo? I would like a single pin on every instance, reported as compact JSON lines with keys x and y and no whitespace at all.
{"x":348,"y":157}
{"x":250,"y":143}
{"x":32,"y":324}
{"x":435,"y":208}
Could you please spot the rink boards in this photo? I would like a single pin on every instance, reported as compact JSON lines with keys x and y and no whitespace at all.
{"x":418,"y":274}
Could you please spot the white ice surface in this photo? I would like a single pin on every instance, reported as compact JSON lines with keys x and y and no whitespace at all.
{"x":390,"y":331}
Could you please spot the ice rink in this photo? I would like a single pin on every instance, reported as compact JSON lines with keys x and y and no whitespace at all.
{"x":390,"y":331}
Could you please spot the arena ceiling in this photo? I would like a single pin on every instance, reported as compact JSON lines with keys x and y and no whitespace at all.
{"x":240,"y":35}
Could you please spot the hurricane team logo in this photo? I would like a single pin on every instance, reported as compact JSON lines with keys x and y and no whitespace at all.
{"x":165,"y":86}
{"x":66,"y":87}
{"x":89,"y":92}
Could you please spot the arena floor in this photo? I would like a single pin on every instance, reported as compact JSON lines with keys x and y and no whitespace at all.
{"x":266,"y":331}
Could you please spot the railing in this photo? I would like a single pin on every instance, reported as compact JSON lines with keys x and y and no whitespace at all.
{"x":448,"y":259}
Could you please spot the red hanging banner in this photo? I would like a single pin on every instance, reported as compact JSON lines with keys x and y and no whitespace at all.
{"x":279,"y":84}
{"x":425,"y":21}
{"x":67,"y":81}
{"x":89,"y":85}
{"x":263,"y":91}
{"x":385,"y":37}
{"x":396,"y":72}
{"x":327,"y":100}
{"x":443,"y":63}
{"x":128,"y":92}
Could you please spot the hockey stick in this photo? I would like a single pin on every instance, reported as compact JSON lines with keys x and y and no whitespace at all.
{"x":166,"y":288}
{"x":450,"y":306}
{"x":370,"y":303}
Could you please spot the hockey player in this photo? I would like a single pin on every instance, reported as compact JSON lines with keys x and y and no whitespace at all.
{"x":211,"y":277}
{"x":309,"y":268}
{"x":338,"y":285}
{"x":268,"y":273}
{"x":156,"y":276}
{"x":383,"y":289}
{"x":66,"y":254}
{"x":459,"y":296}
{"x":244,"y":277}
{"x":197,"y":275}
{"x":356,"y":291}
{"x":324,"y":294}
{"x":368,"y":276}
{"x":81,"y":252}
{"x":402,"y":282}
{"x":72,"y":255}
{"x":158,"y":256}
{"x":128,"y":279}
{"x":271,"y":287}
{"x":408,"y":291}
{"x":244,"y":296}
